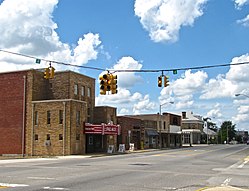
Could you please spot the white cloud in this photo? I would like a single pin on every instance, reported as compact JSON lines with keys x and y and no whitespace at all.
{"x":182,"y":90}
{"x":215,"y":112}
{"x":144,"y":105}
{"x":240,"y":3}
{"x":127,"y":79}
{"x":164,"y":18}
{"x":27,"y":27}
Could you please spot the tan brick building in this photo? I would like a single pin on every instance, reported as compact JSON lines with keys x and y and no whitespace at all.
{"x":45,"y":117}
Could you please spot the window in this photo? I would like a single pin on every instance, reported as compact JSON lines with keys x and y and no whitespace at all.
{"x":48,"y":137}
{"x":48,"y":117}
{"x":60,"y":116}
{"x":75,"y":89}
{"x":78,"y":118}
{"x":36,"y":137}
{"x":83,"y":91}
{"x":77,"y":137}
{"x":36,"y":117}
{"x":60,"y":137}
{"x":89,"y":92}
{"x":90,"y":140}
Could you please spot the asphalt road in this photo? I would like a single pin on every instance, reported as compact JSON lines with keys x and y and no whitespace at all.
{"x":185,"y":169}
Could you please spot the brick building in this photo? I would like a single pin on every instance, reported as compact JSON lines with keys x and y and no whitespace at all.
{"x":44,"y":117}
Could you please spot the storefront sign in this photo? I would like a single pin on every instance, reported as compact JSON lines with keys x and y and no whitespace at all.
{"x":103,"y":129}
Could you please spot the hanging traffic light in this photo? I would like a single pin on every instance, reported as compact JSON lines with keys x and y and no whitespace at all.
{"x":51,"y":72}
{"x":159,"y":81}
{"x":166,"y":81}
{"x":103,"y":84}
{"x":46,"y":73}
{"x":114,"y":85}
{"x":108,"y":82}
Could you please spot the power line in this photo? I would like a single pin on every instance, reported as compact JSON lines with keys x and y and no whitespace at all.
{"x":130,"y":70}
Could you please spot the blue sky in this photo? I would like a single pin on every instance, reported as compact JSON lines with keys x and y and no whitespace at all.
{"x":140,"y":34}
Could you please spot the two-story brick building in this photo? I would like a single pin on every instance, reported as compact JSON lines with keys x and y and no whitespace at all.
{"x":45,"y":117}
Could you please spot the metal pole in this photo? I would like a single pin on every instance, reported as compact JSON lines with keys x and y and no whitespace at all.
{"x":160,"y":126}
{"x":227,"y":135}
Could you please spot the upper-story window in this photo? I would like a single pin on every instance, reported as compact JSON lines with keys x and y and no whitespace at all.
{"x":83,"y":90}
{"x":78,"y":117}
{"x":36,"y":118}
{"x":60,"y":116}
{"x":89,"y":92}
{"x":48,"y":117}
{"x":76,"y":89}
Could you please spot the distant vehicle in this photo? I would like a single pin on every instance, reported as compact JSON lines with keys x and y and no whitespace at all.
{"x":247,"y":142}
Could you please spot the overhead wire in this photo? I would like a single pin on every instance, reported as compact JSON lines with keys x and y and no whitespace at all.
{"x":129,"y":70}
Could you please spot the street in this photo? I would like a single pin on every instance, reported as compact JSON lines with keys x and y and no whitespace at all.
{"x":184,"y":169}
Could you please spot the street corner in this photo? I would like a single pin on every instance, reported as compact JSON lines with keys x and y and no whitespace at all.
{"x":222,"y":188}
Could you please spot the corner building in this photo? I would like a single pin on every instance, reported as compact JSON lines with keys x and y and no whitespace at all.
{"x":45,"y":117}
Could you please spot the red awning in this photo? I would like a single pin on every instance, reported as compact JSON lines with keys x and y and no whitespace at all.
{"x":104,"y":129}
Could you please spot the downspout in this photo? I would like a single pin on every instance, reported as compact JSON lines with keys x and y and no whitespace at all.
{"x":23,"y":115}
{"x":64,"y":127}
{"x":32,"y":131}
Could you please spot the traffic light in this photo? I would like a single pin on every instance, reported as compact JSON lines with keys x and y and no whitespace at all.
{"x":51,"y":73}
{"x":103,"y":85}
{"x":159,"y":81}
{"x":166,"y":81}
{"x":46,"y":73}
{"x":108,"y":82}
{"x":114,"y":85}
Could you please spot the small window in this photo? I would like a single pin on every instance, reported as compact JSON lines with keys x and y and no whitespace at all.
{"x":89,"y":92}
{"x":78,"y":118}
{"x":36,"y":137}
{"x":83,"y":91}
{"x":36,"y":117}
{"x":60,"y":137}
{"x":90,"y":140}
{"x":77,"y":137}
{"x":48,"y":137}
{"x":76,"y":89}
{"x":60,"y":116}
{"x":48,"y":117}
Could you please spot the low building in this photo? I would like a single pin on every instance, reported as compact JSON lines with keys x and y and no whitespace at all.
{"x":192,"y":128}
{"x":160,"y":131}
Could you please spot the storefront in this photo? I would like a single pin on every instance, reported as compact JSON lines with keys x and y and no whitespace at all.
{"x":100,"y":137}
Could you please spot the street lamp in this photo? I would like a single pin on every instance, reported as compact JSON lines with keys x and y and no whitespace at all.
{"x":206,"y":125}
{"x":160,"y":113}
{"x":241,"y":95}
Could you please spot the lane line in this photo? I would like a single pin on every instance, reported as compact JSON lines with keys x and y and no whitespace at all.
{"x":243,"y":164}
{"x":226,"y":182}
{"x":41,"y":178}
{"x":13,"y":185}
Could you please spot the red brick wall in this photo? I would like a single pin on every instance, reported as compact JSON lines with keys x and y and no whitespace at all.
{"x":11,"y":112}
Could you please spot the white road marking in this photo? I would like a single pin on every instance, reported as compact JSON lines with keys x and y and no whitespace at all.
{"x":243,"y":164}
{"x":41,"y":178}
{"x":226,"y":182}
{"x":49,"y":188}
{"x":13,"y":185}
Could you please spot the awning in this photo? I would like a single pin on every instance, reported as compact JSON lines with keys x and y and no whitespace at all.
{"x":151,"y":132}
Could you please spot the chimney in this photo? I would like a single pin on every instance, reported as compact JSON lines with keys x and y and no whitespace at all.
{"x":184,"y":115}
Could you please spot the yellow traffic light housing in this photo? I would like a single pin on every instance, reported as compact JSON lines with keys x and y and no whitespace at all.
{"x":46,"y":73}
{"x":114,"y":85}
{"x":159,"y":81}
{"x":51,"y":73}
{"x":166,"y":81}
{"x":102,"y":84}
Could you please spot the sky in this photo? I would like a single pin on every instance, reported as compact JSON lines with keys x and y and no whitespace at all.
{"x":140,"y":35}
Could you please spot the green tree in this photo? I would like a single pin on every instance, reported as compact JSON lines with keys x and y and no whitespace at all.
{"x":227,"y":129}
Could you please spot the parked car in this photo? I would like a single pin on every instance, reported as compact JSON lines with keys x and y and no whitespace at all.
{"x":247,"y":142}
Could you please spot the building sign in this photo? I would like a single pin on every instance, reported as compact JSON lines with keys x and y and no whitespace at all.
{"x":104,"y":129}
